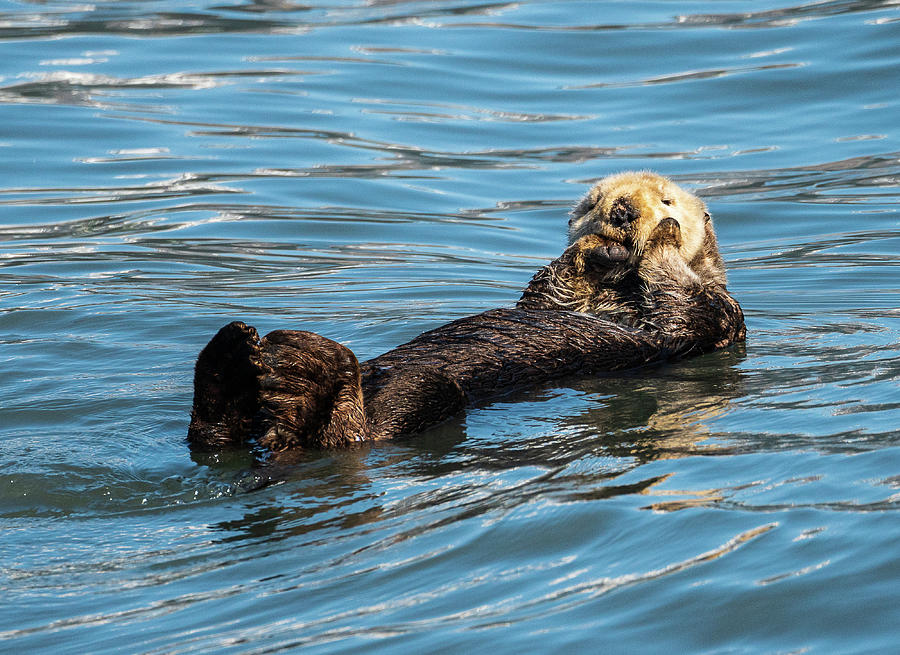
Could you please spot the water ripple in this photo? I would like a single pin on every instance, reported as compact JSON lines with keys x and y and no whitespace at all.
{"x":369,"y":170}
{"x":815,"y":183}
{"x":687,"y":76}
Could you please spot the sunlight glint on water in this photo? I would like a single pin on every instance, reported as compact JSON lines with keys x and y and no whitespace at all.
{"x":369,"y":170}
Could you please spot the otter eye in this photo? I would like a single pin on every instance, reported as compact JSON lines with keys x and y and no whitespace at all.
{"x":666,"y":201}
{"x":584,"y":206}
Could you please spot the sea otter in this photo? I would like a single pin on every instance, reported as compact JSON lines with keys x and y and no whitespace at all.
{"x":641,"y":282}
{"x":607,"y":274}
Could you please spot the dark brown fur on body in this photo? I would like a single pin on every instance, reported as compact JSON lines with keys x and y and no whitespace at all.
{"x":313,"y":394}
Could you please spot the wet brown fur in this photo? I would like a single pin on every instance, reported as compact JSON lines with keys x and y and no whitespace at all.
{"x":644,"y":292}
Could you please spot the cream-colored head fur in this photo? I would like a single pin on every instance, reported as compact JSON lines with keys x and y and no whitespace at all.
{"x":627,"y":207}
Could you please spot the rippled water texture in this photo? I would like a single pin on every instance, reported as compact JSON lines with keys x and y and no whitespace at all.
{"x":369,"y":170}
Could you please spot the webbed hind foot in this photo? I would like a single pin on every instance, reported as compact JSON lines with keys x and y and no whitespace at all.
{"x":311,"y":394}
{"x":226,"y":388}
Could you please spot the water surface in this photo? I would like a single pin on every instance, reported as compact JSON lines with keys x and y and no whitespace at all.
{"x":369,"y":170}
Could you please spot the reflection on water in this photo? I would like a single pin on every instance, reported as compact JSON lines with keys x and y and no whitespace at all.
{"x":369,"y":170}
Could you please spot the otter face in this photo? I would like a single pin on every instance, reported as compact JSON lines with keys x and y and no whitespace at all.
{"x":627,"y":207}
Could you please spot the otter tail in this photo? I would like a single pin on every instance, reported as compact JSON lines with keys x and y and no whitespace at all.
{"x":288,"y":390}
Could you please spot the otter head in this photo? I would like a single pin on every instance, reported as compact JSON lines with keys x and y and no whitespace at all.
{"x":627,"y":207}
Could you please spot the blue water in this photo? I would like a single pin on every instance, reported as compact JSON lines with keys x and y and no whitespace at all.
{"x":369,"y":169}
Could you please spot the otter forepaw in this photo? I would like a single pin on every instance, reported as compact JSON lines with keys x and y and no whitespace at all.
{"x":666,"y":233}
{"x":595,"y":252}
{"x":662,"y":263}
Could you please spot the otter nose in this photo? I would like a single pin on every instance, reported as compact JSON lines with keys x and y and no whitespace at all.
{"x":622,"y":213}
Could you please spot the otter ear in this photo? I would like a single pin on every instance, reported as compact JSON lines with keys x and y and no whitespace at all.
{"x":713,"y":263}
{"x":709,"y":236}
{"x":706,"y":217}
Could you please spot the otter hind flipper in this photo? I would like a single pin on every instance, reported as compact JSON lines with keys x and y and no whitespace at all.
{"x":310,"y":394}
{"x":226,"y":388}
